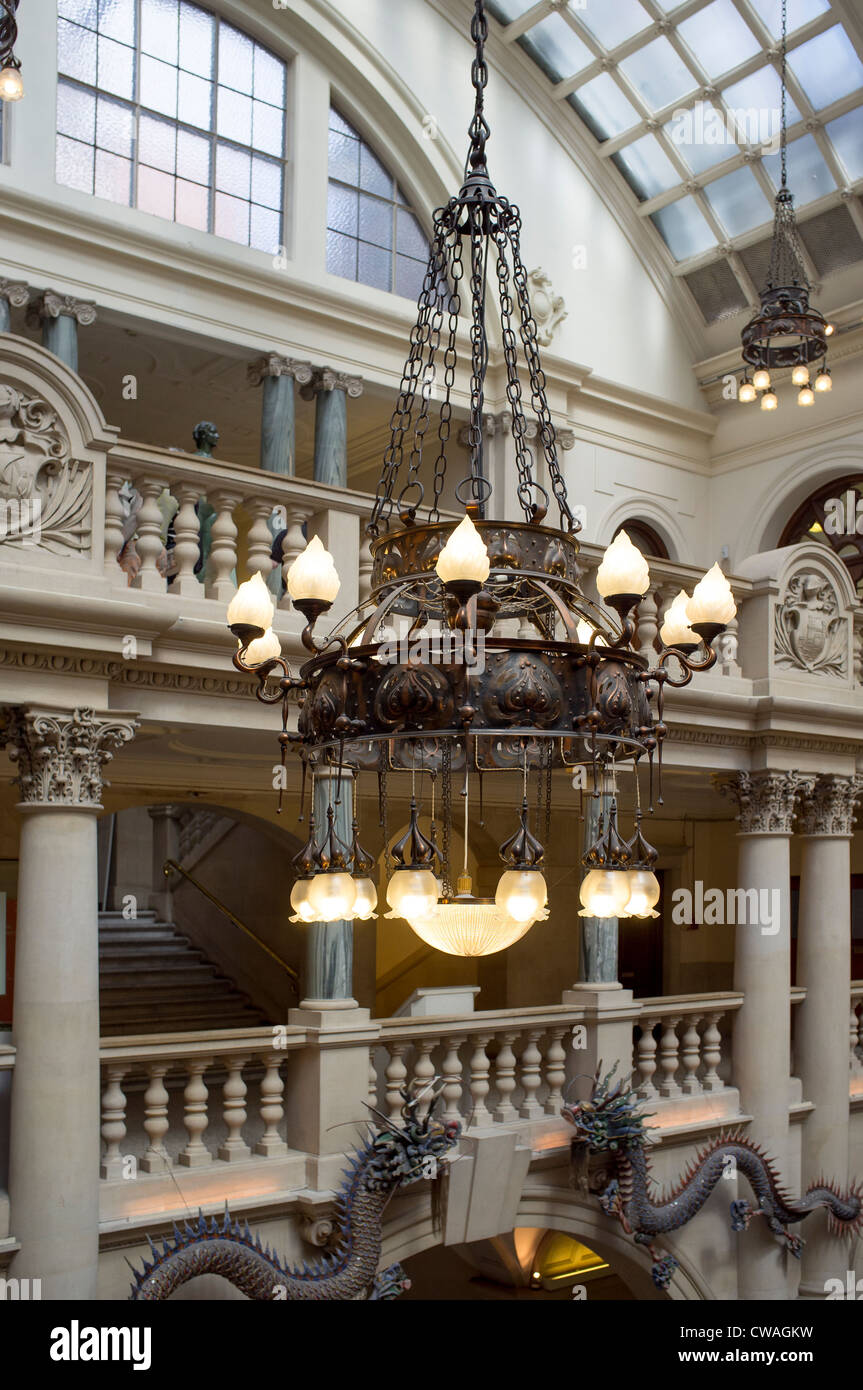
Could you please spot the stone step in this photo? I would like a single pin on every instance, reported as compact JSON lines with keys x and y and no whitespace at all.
{"x":146,"y":950}
{"x":128,"y":1026}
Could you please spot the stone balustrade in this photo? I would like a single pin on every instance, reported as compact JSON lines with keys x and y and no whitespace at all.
{"x":679,"y":1048}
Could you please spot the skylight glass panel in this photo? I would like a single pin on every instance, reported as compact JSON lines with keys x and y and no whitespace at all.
{"x":800,"y":12}
{"x":718,"y":37}
{"x":602,"y":104}
{"x":846,"y":135}
{"x":556,"y":48}
{"x":756,"y":104}
{"x":738,"y":201}
{"x":702,"y":137}
{"x":508,"y":10}
{"x":827,"y":67}
{"x":808,"y":175}
{"x":647,"y":167}
{"x":684,"y":228}
{"x":658,"y":75}
{"x":611,"y":24}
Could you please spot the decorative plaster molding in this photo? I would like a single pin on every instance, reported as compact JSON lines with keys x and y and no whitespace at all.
{"x":325,"y":379}
{"x":272,"y":364}
{"x":549,"y":309}
{"x":60,"y":754}
{"x":50,"y":493}
{"x":829,"y":809}
{"x":767,"y":800}
{"x":50,"y":305}
{"x":810,"y":632}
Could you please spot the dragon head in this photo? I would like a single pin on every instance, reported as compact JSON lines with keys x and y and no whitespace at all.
{"x":610,"y":1118}
{"x":413,"y":1150}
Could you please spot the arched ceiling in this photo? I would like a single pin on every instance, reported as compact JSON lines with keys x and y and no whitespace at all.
{"x":683,"y":101}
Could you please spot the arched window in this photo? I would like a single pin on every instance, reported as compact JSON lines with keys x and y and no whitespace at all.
{"x":829,"y":517}
{"x":648,"y":541}
{"x":163,"y":106}
{"x":372,"y":235}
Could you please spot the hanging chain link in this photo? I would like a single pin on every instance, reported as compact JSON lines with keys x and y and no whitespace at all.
{"x":782,"y":121}
{"x":450,"y":358}
{"x":513,"y":384}
{"x":478,"y":130}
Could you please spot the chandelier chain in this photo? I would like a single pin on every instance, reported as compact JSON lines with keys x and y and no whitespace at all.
{"x":783,"y":117}
{"x":478,"y":130}
{"x":479,"y":351}
{"x":513,"y":384}
{"x":449,"y":364}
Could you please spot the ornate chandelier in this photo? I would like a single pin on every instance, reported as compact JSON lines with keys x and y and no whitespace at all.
{"x":561,"y":685}
{"x":786,"y":331}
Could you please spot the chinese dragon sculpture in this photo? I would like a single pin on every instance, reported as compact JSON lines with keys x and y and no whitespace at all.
{"x":394,"y":1155}
{"x":612,"y":1122}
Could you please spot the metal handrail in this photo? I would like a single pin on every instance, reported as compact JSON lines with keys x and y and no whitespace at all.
{"x":172,"y":865}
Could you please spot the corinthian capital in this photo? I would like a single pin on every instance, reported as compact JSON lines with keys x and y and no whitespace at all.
{"x":766,"y":800}
{"x":273,"y":365}
{"x":829,"y":808}
{"x":325,"y":379}
{"x":50,"y":305}
{"x":60,"y":753}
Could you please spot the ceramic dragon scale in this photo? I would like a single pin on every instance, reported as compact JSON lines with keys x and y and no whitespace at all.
{"x":394,"y":1155}
{"x":612,"y":1122}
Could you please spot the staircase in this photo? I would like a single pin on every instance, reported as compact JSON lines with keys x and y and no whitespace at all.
{"x":152,"y":979}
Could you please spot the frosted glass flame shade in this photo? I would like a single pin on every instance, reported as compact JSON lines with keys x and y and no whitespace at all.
{"x":265,"y":648}
{"x":304,"y":910}
{"x":332,"y":896}
{"x":761,"y":379}
{"x":769,"y":401}
{"x":464,"y":557}
{"x":800,"y":375}
{"x":712,"y":600}
{"x":643,"y":893}
{"x":623,"y":569}
{"x":413,"y":894}
{"x":313,"y":574}
{"x":11,"y":85}
{"x":675,"y":630}
{"x":521,"y":894}
{"x":366,"y":899}
{"x":746,"y":392}
{"x":252,"y":604}
{"x":824,"y":381}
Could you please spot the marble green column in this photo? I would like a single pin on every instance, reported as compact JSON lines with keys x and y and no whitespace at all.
{"x":330,"y":391}
{"x":12,"y":292}
{"x":330,"y":945}
{"x":59,"y":316}
{"x":277,"y":376}
{"x":598,"y":935}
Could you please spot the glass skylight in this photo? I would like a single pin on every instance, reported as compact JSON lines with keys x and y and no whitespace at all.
{"x":732,"y":124}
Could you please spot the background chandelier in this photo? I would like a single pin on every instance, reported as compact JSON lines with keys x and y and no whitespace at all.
{"x":786,"y":331}
{"x":568,"y":691}
{"x":11,"y":83}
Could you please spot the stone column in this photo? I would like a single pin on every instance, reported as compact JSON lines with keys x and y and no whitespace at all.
{"x":330,"y":390}
{"x":13,"y":293}
{"x":330,"y":945}
{"x":166,"y":845}
{"x":60,"y":315}
{"x":277,"y":375}
{"x":766,"y":803}
{"x":55,"y":1119}
{"x":821,"y":1029}
{"x":597,"y":936}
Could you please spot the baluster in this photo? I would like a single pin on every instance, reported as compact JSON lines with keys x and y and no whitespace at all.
{"x":424,"y":1072}
{"x":555,"y":1070}
{"x":222,"y":560}
{"x":113,"y":1123}
{"x":272,"y":1111}
{"x":148,"y":541}
{"x":504,"y":1080}
{"x":187,"y":541}
{"x":293,"y":542}
{"x":531,"y":1076}
{"x":234,"y":1111}
{"x":396,"y":1075}
{"x":453,"y":1084}
{"x":373,"y":1079}
{"x":690,"y":1056}
{"x":259,"y":541}
{"x":479,"y":1086}
{"x":155,"y":1158}
{"x":711,"y":1047}
{"x":668,"y":1059}
{"x":646,"y":1059}
{"x":113,"y":527}
{"x":196,"y":1154}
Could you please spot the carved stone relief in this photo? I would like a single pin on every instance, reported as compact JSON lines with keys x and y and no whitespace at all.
{"x":811,"y":633}
{"x":45,"y":495}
